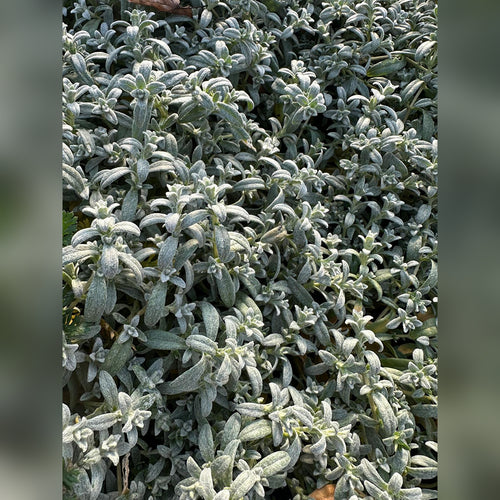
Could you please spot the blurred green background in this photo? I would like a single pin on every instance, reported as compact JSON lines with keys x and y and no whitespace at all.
{"x":30,"y":231}
{"x":469,"y":184}
{"x":30,"y":242}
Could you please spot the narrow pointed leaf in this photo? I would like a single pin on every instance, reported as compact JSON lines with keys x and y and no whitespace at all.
{"x":188,"y":381}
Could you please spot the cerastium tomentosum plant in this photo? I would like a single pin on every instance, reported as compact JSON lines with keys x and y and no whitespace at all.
{"x":250,"y":250}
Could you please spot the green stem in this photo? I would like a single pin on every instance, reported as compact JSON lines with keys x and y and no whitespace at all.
{"x":419,"y":66}
{"x":303,"y":128}
{"x":370,"y":398}
{"x":410,"y":107}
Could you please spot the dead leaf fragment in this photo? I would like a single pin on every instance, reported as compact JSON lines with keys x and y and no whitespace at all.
{"x":325,"y":493}
{"x":170,"y":6}
{"x":406,"y":349}
{"x":426,"y":315}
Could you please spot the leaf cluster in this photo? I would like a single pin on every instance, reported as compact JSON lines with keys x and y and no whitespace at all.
{"x":250,"y":249}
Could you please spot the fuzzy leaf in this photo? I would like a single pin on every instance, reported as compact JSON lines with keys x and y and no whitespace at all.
{"x":117,"y":356}
{"x":386,"y":413}
{"x":274,"y":463}
{"x":187,"y":381}
{"x":201,"y":343}
{"x":108,"y":390}
{"x":225,"y":286}
{"x":164,"y":340}
{"x":167,"y":252}
{"x":96,"y":299}
{"x":184,"y":253}
{"x":243,"y":484}
{"x":206,"y":443}
{"x":156,"y":304}
{"x":386,"y":67}
{"x":102,"y":422}
{"x":256,"y":430}
{"x":223,"y":244}
{"x":210,"y":319}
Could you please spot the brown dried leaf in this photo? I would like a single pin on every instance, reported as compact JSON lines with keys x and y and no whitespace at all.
{"x":125,"y":472}
{"x":426,"y":315}
{"x":325,"y":493}
{"x":170,"y":6}
{"x":406,"y":349}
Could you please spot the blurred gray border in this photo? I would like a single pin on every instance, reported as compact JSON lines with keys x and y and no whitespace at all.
{"x":469,"y":197}
{"x":30,"y":243}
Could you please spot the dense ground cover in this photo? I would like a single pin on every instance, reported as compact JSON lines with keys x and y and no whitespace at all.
{"x":250,"y":248}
